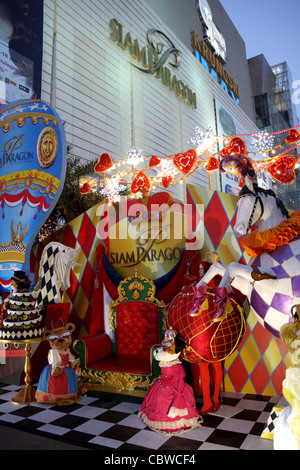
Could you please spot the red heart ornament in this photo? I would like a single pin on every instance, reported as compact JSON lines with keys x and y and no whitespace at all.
{"x":293,"y":137}
{"x":224,"y":152}
{"x":166,"y":180}
{"x":85,"y":188}
{"x":206,"y":341}
{"x":154,"y":161}
{"x":139,"y":182}
{"x":185,"y":161}
{"x":212,"y":164}
{"x":282,"y":169}
{"x":237,"y":145}
{"x":105,"y":162}
{"x":161,"y":199}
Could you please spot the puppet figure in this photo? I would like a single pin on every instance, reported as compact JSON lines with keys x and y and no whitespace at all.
{"x":169,"y":406}
{"x":207,"y":375}
{"x":208,"y":342}
{"x":58,"y":381}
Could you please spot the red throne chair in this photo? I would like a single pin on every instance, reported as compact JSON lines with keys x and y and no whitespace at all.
{"x":125,"y":366}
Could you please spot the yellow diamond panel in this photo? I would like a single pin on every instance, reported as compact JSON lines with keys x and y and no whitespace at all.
{"x":272,"y":356}
{"x":81,"y":303}
{"x":229,"y":249}
{"x":250,"y":354}
{"x":230,"y":204}
{"x":76,"y":224}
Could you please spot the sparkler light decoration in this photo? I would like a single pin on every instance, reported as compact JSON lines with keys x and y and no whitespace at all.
{"x":208,"y":152}
{"x":203,"y":140}
{"x":166,"y":167}
{"x":262,"y":142}
{"x":134,"y":157}
{"x":113,"y":188}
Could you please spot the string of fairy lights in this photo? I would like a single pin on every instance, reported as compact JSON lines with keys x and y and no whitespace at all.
{"x":207,"y":150}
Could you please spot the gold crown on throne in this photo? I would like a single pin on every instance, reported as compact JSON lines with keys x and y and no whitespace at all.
{"x":168,"y":343}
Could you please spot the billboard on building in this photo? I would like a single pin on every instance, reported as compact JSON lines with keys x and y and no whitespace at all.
{"x":229,"y":125}
{"x":21,"y":46}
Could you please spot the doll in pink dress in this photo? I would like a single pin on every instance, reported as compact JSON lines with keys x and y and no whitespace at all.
{"x":169,"y":406}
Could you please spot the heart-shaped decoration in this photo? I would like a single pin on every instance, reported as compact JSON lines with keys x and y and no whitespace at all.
{"x":282,"y":170}
{"x":166,"y":180}
{"x":185,"y":161}
{"x":212,"y":164}
{"x":104,"y":163}
{"x":85,"y":188}
{"x":139,"y":182}
{"x":136,"y":209}
{"x":161,"y":199}
{"x":154,"y":161}
{"x":206,"y":341}
{"x":294,"y":136}
{"x":224,"y":152}
{"x":237,"y":145}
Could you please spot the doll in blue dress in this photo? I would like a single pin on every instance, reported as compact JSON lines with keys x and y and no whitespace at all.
{"x":58,"y":382}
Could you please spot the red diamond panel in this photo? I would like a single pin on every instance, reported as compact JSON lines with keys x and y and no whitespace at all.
{"x":69,"y":238}
{"x":86,"y":235}
{"x":260,"y":377}
{"x":215,"y":220}
{"x":87,"y":281}
{"x":73,"y":289}
{"x":238,"y":371}
{"x":262,"y":337}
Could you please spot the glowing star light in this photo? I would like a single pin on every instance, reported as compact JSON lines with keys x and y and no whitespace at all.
{"x":134,"y":157}
{"x":114,"y":188}
{"x":166,"y":167}
{"x":262,"y":142}
{"x":203,"y":140}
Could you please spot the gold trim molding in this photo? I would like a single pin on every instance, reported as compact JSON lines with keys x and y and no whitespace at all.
{"x":116,"y":381}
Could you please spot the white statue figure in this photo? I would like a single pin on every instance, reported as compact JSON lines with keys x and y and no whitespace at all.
{"x":271,"y":281}
{"x":54,"y":273}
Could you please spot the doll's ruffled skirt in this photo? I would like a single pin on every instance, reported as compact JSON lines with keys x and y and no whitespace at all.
{"x":165,"y":411}
{"x":55,"y":389}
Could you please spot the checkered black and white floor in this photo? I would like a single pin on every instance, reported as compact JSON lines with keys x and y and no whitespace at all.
{"x":105,"y":424}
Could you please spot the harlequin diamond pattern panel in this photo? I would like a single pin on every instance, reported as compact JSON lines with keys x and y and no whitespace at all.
{"x":258,"y":365}
{"x":80,"y":234}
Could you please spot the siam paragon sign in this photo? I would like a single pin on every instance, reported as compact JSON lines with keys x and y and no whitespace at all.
{"x":152,"y":59}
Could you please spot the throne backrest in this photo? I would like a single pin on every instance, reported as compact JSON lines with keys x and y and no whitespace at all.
{"x":137,"y":317}
{"x":137,"y":328}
